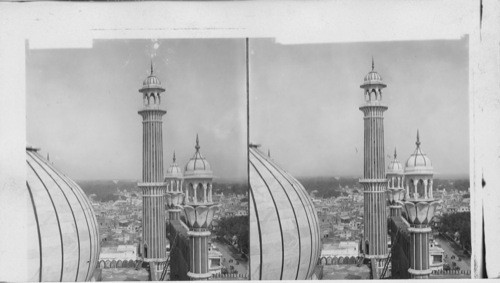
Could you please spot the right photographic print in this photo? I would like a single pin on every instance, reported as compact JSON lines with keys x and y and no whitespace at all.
{"x":359,"y":160}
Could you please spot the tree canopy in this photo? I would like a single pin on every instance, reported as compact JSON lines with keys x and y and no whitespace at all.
{"x":457,"y":222}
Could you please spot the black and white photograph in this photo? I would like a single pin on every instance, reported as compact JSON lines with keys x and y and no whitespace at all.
{"x":151,"y":137}
{"x":249,"y":140}
{"x":376,"y":137}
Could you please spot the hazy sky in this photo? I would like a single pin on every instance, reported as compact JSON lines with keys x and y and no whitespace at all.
{"x":305,"y":99}
{"x":82,"y":105}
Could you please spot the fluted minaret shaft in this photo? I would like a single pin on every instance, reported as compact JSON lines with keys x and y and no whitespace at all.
{"x":374,"y":182}
{"x":419,"y":252}
{"x":198,"y":247}
{"x":153,"y":190}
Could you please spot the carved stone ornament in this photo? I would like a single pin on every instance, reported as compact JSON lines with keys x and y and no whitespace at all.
{"x":200,"y":216}
{"x":419,"y":212}
{"x":395,"y":195}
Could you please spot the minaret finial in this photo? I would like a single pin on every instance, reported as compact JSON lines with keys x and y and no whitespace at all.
{"x":197,"y":144}
{"x":418,"y":139}
{"x":395,"y":154}
{"x":151,"y":66}
{"x":373,"y":64}
{"x":48,"y":157}
{"x":174,"y":156}
{"x":268,"y":153}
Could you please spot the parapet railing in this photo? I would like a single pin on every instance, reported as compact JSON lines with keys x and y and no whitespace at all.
{"x":103,"y":264}
{"x":451,"y":272}
{"x":235,"y":276}
{"x":338,"y":260}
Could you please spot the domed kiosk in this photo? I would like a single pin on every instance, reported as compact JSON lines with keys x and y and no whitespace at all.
{"x":395,"y":183}
{"x":62,"y":228}
{"x":284,"y":227}
{"x":418,"y":174}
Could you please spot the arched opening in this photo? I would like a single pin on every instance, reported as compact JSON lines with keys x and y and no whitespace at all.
{"x":420,"y":188}
{"x":113,"y":264}
{"x":190,"y":192}
{"x":108,"y":264}
{"x":145,"y":250}
{"x":102,"y":265}
{"x":411,"y":188}
{"x":119,"y":264}
{"x":200,"y":193}
{"x":367,"y":247}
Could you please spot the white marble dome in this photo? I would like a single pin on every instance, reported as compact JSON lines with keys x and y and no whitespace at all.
{"x":174,"y":171}
{"x":373,"y":76}
{"x":61,"y":224}
{"x":151,"y":81}
{"x":284,"y":227}
{"x":395,"y":167}
{"x":418,"y":162}
{"x":198,"y":166}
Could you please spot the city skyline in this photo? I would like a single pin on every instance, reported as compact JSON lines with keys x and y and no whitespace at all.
{"x":82,"y":105}
{"x":315,"y":90}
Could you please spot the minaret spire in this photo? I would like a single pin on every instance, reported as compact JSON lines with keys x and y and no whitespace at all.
{"x":151,"y":66}
{"x":418,"y":139}
{"x":174,"y":156}
{"x":268,"y":153}
{"x":373,"y":64}
{"x":395,"y":153}
{"x":197,"y":144}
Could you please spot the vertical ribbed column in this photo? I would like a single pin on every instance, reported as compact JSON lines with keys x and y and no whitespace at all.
{"x":419,"y":252}
{"x":199,"y":254}
{"x":153,"y":188}
{"x":374,"y":182}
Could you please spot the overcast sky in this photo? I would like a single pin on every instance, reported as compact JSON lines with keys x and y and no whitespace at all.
{"x":305,"y":99}
{"x":82,"y":105}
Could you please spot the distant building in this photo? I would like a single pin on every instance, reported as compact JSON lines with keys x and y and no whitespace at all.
{"x":436,"y":254}
{"x":340,"y":249}
{"x":120,"y":252}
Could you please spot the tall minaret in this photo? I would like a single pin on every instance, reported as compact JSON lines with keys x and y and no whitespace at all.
{"x":374,"y":181}
{"x":152,"y":185}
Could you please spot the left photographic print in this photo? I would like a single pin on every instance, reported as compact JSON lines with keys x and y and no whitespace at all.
{"x":136,"y":161}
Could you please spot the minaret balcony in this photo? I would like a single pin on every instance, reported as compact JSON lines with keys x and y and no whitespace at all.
{"x":200,"y":215}
{"x":419,"y":212}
